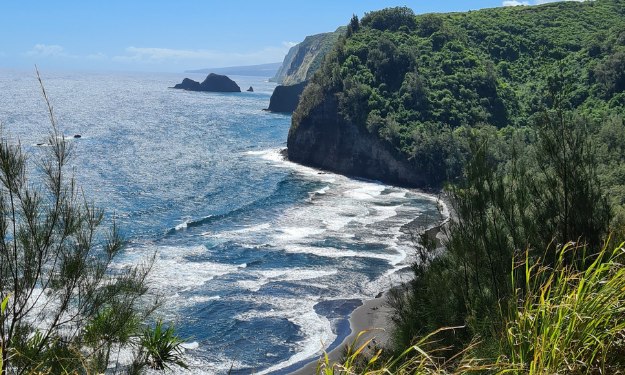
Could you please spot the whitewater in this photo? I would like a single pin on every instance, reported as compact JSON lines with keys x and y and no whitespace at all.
{"x":260,"y":260}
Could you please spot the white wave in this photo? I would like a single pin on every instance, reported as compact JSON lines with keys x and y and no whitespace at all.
{"x":238,"y":233}
{"x":264,"y":277}
{"x":200,"y":299}
{"x":182,"y":225}
{"x":190,"y":345}
{"x":172,"y":272}
{"x":367,"y":192}
{"x":323,"y":190}
{"x":398,"y":194}
{"x":332,"y":252}
{"x":354,"y":213}
{"x":296,"y":233}
{"x":276,"y":157}
{"x":317,"y":329}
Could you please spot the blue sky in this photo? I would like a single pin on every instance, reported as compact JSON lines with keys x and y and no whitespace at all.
{"x":171,"y":36}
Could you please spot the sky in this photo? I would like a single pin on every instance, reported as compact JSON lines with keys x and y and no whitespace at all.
{"x":176,"y":35}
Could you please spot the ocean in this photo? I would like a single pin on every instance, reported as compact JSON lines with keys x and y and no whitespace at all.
{"x":260,"y":261}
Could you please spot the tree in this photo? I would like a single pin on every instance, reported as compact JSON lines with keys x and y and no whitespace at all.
{"x":67,"y":308}
{"x":569,"y":201}
{"x":353,"y":26}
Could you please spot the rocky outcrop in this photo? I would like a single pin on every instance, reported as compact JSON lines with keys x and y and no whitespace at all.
{"x":213,"y":83}
{"x":251,"y":89}
{"x":188,"y":84}
{"x":303,"y":59}
{"x":323,"y":139}
{"x":285,"y":98}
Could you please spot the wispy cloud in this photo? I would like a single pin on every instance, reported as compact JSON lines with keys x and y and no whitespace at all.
{"x":167,"y":58}
{"x":96,"y":56}
{"x":513,"y":3}
{"x":47,"y":50}
{"x":170,"y":55}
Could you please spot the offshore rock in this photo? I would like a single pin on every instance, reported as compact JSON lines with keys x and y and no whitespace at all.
{"x":188,"y":84}
{"x":212,"y":83}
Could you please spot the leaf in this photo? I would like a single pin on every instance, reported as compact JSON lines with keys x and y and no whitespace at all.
{"x":4,"y":303}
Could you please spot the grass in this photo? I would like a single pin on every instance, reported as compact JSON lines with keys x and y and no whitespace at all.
{"x":568,"y":319}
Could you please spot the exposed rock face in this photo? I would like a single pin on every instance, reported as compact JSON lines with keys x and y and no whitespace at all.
{"x":322,"y":139}
{"x":213,"y":83}
{"x":285,"y":98}
{"x":298,"y":67}
{"x":188,"y":84}
{"x":303,"y":59}
{"x":251,"y":89}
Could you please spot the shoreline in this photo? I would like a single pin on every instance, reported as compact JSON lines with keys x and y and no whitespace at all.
{"x":373,"y":316}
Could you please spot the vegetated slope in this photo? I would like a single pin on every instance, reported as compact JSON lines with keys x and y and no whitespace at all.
{"x":303,"y":59}
{"x":391,"y":100}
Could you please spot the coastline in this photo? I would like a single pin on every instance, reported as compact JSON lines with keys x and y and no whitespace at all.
{"x":373,"y":316}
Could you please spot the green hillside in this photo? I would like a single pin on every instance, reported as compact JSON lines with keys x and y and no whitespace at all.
{"x":520,"y":110}
{"x":416,"y":82}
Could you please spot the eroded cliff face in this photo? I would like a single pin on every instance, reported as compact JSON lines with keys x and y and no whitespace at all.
{"x":323,"y":139}
{"x":304,"y":59}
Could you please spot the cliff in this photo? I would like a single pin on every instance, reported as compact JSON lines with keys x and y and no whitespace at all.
{"x":304,"y":59}
{"x":285,"y":98}
{"x":397,"y":99}
{"x":324,"y":140}
{"x":299,"y":65}
{"x":213,"y":83}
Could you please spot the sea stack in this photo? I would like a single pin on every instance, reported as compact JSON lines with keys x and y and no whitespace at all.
{"x":212,"y":83}
{"x":251,"y":89}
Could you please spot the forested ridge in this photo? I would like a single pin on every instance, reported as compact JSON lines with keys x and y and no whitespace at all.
{"x":418,"y":82}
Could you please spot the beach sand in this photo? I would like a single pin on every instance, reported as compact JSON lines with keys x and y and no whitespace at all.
{"x":373,"y":316}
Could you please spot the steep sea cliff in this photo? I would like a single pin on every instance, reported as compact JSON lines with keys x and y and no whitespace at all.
{"x":325,"y":140}
{"x":299,"y":65}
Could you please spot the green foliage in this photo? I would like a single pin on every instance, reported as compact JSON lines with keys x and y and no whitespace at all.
{"x":435,"y":73}
{"x":162,"y":347}
{"x":353,"y":26}
{"x":418,"y":359}
{"x":562,"y":320}
{"x":391,"y":19}
{"x":568,"y":320}
{"x":3,"y":307}
{"x":514,"y":195}
{"x":566,"y":182}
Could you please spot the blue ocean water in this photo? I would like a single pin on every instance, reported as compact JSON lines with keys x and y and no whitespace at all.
{"x":260,"y":260}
